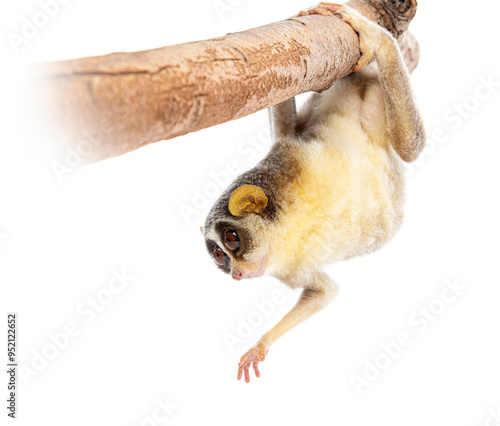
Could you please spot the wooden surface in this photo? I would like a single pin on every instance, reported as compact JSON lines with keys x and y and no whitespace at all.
{"x":108,"y":105}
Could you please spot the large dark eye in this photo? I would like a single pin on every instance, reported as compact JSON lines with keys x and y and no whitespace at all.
{"x":220,"y":257}
{"x":231,"y":241}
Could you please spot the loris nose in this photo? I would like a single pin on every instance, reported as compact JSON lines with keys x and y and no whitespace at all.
{"x":238,"y":275}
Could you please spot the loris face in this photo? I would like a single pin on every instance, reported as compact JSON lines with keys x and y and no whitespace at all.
{"x":237,"y":249}
{"x":237,"y":239}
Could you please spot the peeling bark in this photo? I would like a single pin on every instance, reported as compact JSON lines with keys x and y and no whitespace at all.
{"x":108,"y":105}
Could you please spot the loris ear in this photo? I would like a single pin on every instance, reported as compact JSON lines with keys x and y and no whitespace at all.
{"x":247,"y":199}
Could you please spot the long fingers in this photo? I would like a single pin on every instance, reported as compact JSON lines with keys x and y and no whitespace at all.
{"x":244,"y":367}
{"x":240,"y":372}
{"x":256,"y":368}
{"x":247,"y":373}
{"x":252,"y":357}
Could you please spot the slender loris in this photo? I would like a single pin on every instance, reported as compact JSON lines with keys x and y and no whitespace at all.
{"x":331,"y":186}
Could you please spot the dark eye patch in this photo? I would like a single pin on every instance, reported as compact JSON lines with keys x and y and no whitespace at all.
{"x":221,"y":258}
{"x":245,"y":239}
{"x":232,"y":241}
{"x":211,"y":247}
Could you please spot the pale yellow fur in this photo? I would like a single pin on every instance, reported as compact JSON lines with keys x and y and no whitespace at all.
{"x":348,"y":196}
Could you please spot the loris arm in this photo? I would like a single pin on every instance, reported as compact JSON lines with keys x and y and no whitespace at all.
{"x":405,"y":128}
{"x":315,"y":296}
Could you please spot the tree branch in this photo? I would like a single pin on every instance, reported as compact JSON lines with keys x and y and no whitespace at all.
{"x":108,"y":105}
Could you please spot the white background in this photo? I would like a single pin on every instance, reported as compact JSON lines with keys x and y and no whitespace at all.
{"x":164,"y":335}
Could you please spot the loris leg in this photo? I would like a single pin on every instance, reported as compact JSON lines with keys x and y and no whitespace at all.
{"x":286,"y":122}
{"x":405,"y":128}
{"x":283,"y":119}
{"x":306,"y":113}
{"x":315,"y":297}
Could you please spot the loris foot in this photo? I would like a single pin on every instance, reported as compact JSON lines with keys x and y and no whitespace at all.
{"x":368,"y":32}
{"x":252,"y":357}
{"x":325,"y":9}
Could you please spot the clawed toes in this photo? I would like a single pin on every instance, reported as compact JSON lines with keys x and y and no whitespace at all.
{"x":315,"y":11}
{"x":325,"y":9}
{"x":329,"y":9}
{"x":330,"y":6}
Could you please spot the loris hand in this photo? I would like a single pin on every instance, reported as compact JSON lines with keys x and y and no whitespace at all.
{"x":253,"y":356}
{"x":367,"y":31}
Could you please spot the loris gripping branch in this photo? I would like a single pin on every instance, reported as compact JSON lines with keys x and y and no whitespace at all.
{"x":331,"y":186}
